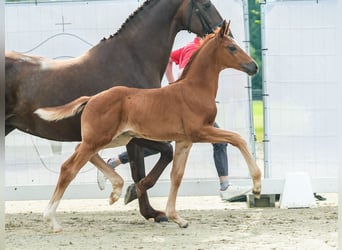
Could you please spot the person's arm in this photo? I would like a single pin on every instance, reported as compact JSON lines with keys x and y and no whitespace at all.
{"x":180,"y":72}
{"x":169,"y":72}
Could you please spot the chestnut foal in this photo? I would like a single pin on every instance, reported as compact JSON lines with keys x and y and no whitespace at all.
{"x":183,"y":112}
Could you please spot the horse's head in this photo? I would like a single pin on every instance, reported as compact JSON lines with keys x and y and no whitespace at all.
{"x":200,"y":16}
{"x":231,"y":54}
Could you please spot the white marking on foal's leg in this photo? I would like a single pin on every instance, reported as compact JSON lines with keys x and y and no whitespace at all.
{"x":49,"y":217}
{"x":117,"y":184}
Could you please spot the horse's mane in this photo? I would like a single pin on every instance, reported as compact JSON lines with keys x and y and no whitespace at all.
{"x":131,"y":16}
{"x":194,"y":55}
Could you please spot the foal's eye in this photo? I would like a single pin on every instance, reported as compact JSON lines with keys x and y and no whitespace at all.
{"x":232,"y":48}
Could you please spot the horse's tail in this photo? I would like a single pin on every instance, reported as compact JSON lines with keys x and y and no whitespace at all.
{"x":64,"y":111}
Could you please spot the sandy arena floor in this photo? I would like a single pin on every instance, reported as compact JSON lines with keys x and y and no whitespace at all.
{"x":93,"y":224}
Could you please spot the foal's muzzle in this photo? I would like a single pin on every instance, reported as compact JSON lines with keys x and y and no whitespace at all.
{"x":250,"y":68}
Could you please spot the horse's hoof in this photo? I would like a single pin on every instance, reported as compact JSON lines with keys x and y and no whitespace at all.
{"x":131,"y":194}
{"x":162,"y":218}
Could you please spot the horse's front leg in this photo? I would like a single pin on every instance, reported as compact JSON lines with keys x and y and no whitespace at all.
{"x":69,"y":170}
{"x":177,"y":172}
{"x":166,"y":155}
{"x":142,"y":183}
{"x":113,"y":177}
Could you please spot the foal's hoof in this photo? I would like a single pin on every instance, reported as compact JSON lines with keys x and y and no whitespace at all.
{"x":131,"y":194}
{"x":183,"y":224}
{"x":256,"y":194}
{"x":114,"y":197}
{"x":58,"y":230}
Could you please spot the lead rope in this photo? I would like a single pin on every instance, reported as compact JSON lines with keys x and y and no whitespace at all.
{"x":44,"y":164}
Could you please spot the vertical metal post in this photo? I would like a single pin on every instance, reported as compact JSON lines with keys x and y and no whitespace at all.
{"x":249,"y":79}
{"x":339,"y":114}
{"x":265,"y":91}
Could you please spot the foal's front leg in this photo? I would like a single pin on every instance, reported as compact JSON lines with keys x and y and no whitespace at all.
{"x":216,"y":135}
{"x":179,"y":161}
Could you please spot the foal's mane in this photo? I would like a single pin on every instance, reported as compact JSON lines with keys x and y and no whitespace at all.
{"x":131,"y":16}
{"x":194,"y":55}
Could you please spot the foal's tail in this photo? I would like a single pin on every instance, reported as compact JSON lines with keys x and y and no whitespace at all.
{"x":64,"y":111}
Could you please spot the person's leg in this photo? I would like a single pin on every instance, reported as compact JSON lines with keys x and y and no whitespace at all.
{"x":123,"y":157}
{"x":221,"y":162}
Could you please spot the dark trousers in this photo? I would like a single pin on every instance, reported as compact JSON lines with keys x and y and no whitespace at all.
{"x":220,"y":157}
{"x":147,"y":152}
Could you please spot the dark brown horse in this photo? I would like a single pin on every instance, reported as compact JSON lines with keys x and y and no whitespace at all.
{"x":183,"y":112}
{"x":136,"y":56}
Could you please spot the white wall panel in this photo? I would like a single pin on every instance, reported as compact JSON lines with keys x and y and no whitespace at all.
{"x":300,"y":76}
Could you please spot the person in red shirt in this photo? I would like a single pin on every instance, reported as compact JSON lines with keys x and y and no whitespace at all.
{"x":228,"y":191}
{"x":181,"y":58}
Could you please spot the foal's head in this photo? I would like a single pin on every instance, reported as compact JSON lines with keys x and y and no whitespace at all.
{"x":230,"y":54}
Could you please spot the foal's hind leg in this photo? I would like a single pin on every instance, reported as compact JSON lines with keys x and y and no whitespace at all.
{"x":69,"y":170}
{"x":113,"y":177}
{"x":142,"y":184}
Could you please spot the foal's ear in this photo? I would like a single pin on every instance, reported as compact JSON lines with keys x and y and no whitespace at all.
{"x":227,"y":28}
{"x":223,"y":29}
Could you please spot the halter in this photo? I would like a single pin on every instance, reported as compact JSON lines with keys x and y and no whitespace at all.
{"x":201,"y":15}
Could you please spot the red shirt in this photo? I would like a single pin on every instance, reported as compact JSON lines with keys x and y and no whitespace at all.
{"x":182,"y":56}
